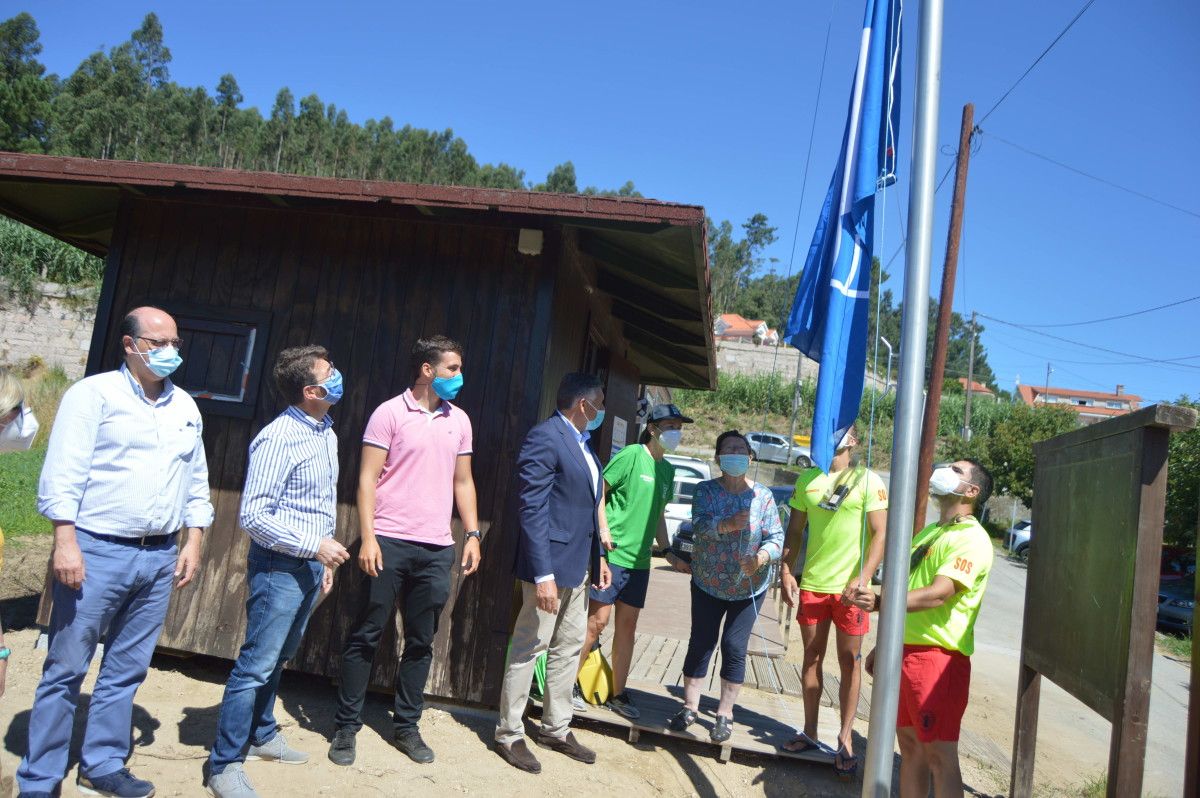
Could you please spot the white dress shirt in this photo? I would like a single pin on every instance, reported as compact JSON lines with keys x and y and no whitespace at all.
{"x":118,"y":464}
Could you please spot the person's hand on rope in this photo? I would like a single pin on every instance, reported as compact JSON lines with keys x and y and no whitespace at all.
{"x":753,"y":562}
{"x":790,"y":588}
{"x":851,"y":588}
{"x":864,"y":599}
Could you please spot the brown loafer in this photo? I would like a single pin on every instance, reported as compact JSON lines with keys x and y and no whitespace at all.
{"x":567,"y":745}
{"x":519,"y":756}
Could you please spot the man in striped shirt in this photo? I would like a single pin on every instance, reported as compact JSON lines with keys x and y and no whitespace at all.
{"x":289,"y":509}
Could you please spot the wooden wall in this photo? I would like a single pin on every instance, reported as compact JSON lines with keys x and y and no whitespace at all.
{"x":366,"y":287}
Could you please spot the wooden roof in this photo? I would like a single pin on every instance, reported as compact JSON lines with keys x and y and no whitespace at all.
{"x":652,"y":256}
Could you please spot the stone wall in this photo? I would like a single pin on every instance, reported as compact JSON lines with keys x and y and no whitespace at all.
{"x":735,"y":357}
{"x":58,"y":329}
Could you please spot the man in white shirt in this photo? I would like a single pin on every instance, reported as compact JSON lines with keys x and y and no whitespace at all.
{"x":125,"y":471}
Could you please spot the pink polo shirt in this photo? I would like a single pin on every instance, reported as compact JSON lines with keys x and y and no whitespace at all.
{"x":415,"y":493}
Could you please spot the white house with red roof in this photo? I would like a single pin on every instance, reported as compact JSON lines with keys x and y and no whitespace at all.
{"x":734,"y":327}
{"x":1091,"y":406}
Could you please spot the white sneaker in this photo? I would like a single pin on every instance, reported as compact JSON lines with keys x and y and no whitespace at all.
{"x":231,"y":783}
{"x":277,"y":750}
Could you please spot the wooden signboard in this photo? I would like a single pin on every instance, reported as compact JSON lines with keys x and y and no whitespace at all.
{"x":1091,"y":593}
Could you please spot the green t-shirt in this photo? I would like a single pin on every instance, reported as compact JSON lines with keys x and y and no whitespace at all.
{"x":835,"y":548}
{"x":963,"y":553}
{"x":639,"y":487}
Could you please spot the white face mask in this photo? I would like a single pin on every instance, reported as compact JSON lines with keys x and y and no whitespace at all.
{"x":18,"y":435}
{"x":847,"y":441}
{"x":944,"y":482}
{"x":670,"y":439}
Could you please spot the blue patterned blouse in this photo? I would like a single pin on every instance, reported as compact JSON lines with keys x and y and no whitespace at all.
{"x":716,"y":557}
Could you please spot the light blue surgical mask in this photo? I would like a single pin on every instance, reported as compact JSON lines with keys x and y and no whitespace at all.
{"x":595,"y":423}
{"x":448,"y":387}
{"x":333,"y":387}
{"x":162,"y":362}
{"x":735,"y":465}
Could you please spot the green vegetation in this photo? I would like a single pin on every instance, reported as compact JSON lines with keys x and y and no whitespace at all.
{"x":19,"y":470}
{"x":1183,"y":484}
{"x":28,"y":257}
{"x":1177,"y":646}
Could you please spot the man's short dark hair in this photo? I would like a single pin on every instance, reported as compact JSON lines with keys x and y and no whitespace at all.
{"x":129,"y":326}
{"x":430,"y":350}
{"x":575,"y":386}
{"x":295,"y":370}
{"x":981,"y":478}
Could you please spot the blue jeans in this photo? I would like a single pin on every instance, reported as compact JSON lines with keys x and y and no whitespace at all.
{"x":124,"y":597}
{"x":283,"y":590}
{"x":707,"y":612}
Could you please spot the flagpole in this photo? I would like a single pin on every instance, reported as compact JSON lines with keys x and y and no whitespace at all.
{"x":877,"y":778}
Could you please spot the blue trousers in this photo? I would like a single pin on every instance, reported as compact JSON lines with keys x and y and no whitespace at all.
{"x":124,"y":597}
{"x":707,"y":612}
{"x":283,"y":590}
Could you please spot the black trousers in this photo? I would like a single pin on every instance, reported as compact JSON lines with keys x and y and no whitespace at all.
{"x":418,"y":574}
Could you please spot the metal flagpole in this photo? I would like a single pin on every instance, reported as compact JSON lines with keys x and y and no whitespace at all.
{"x":877,"y":778}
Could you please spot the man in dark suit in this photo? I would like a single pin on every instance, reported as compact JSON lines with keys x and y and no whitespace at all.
{"x":561,"y":494}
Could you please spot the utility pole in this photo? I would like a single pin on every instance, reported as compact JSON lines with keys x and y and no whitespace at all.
{"x":795,"y":405}
{"x":970,"y":381}
{"x":941,"y":336}
{"x":1046,"y":390}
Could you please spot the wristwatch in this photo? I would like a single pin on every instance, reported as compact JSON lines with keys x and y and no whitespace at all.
{"x":475,"y":533}
{"x":5,"y":653}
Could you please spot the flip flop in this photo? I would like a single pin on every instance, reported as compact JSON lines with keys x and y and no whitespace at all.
{"x":805,"y":742}
{"x":845,"y":764}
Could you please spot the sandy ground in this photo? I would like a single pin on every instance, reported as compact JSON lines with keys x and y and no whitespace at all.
{"x":176,"y":710}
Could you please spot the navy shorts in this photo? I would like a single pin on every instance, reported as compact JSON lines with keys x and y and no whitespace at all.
{"x":628,"y":587}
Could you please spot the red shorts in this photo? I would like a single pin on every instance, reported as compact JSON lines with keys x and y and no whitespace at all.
{"x":817,"y":607}
{"x":934,"y":684}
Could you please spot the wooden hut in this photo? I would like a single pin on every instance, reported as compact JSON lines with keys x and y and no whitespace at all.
{"x":535,"y":285}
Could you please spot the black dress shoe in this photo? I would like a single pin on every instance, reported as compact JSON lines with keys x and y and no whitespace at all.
{"x":567,"y":745}
{"x":410,"y":743}
{"x":519,"y":756}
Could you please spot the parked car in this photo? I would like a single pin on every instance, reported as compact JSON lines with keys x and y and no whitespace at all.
{"x":1018,"y":539}
{"x":1178,"y":564}
{"x":771,"y":448}
{"x":679,"y":509}
{"x":690,"y":466}
{"x":1176,"y":605}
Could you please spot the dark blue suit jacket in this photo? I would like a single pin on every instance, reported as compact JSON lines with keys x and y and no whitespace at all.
{"x":558,"y":499}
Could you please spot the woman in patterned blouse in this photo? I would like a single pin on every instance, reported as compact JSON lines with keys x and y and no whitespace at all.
{"x":737,"y":538}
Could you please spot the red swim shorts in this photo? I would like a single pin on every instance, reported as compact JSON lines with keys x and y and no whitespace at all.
{"x":817,"y":607}
{"x":934,"y":684}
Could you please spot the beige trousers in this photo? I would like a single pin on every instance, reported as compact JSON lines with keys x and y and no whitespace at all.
{"x":535,"y":632}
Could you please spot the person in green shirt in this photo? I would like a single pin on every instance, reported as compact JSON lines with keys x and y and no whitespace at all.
{"x":948,"y":575}
{"x":638,"y":483}
{"x":839,"y":508}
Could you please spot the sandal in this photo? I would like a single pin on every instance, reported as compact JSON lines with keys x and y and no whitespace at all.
{"x":801,"y":744}
{"x":722,"y":730}
{"x":681,"y":720}
{"x":845,"y":764}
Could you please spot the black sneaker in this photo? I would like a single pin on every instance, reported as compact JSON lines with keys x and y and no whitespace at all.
{"x":410,"y":743}
{"x":341,"y":750}
{"x":622,"y":704}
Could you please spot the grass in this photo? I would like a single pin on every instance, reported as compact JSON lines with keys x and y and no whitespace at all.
{"x":1177,"y":646}
{"x":19,"y":471}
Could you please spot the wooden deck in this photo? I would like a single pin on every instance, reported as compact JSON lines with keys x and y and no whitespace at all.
{"x":769,"y":709}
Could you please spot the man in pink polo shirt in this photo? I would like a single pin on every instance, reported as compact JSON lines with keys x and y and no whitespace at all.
{"x":416,"y":463}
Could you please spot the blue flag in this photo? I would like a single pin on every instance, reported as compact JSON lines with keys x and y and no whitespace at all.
{"x":828,"y":321}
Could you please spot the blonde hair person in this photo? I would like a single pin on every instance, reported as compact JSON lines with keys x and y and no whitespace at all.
{"x":18,"y":426}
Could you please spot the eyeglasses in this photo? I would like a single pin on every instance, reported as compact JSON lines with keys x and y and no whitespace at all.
{"x":159,"y":343}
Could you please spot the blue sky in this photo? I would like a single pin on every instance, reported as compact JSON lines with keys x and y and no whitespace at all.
{"x":712,"y":103}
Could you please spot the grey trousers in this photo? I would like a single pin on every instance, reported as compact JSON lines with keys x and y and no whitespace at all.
{"x":535,"y":632}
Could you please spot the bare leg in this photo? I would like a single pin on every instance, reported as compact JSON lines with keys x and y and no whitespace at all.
{"x":691,"y":692}
{"x":622,"y":649}
{"x":597,"y":619}
{"x":848,"y":649}
{"x":914,"y":767}
{"x":943,"y":763}
{"x":729,"y":694}
{"x":816,"y":640}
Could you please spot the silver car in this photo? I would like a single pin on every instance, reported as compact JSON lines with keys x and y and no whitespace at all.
{"x":771,"y":448}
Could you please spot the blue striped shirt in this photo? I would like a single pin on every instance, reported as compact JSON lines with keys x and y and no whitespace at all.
{"x":119,"y":464}
{"x":289,"y":503}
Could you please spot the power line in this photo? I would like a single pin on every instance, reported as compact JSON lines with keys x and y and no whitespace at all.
{"x":1115,"y":318}
{"x":1168,"y":361}
{"x":1097,"y":178}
